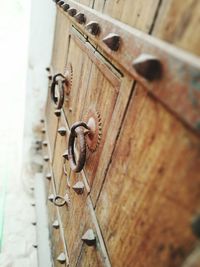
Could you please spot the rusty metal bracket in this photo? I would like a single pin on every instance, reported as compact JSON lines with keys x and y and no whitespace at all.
{"x":170,"y":74}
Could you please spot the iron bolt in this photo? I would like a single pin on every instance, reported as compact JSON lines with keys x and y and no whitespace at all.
{"x":45,"y":143}
{"x":112,"y":40}
{"x":71,"y":11}
{"x":61,"y":258}
{"x":79,"y":187}
{"x":46,"y":158}
{"x":65,"y":155}
{"x":55,"y":224}
{"x":89,"y":238}
{"x":148,"y":66}
{"x":62,"y":131}
{"x":93,"y":27}
{"x":65,"y":7}
{"x":48,"y":176}
{"x":57,"y":112}
{"x":80,"y":18}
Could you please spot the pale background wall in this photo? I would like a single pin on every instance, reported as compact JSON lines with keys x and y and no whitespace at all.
{"x":23,"y":88}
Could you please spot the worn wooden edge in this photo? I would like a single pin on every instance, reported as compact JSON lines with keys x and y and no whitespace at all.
{"x":179,"y":86}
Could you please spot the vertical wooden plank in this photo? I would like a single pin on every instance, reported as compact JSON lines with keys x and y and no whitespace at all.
{"x":152,"y":188}
{"x":99,"y":5}
{"x":138,"y":14}
{"x":178,"y":23}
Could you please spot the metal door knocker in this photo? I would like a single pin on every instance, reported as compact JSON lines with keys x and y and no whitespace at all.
{"x":61,"y":201}
{"x":87,"y":134}
{"x":58,"y":97}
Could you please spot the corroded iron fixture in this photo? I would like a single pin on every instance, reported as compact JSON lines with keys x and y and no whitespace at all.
{"x":112,"y":40}
{"x":89,"y":238}
{"x":148,"y":66}
{"x":93,"y":27}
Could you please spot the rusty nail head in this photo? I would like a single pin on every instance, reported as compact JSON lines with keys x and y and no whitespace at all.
{"x":62,"y":131}
{"x":34,"y":223}
{"x":57,"y":112}
{"x":42,"y":120}
{"x":65,"y":155}
{"x":80,"y":18}
{"x":148,"y":66}
{"x":35,"y":245}
{"x":93,"y":27}
{"x":65,"y":7}
{"x":55,"y":224}
{"x":46,"y":158}
{"x":47,"y":69}
{"x":79,"y":187}
{"x":71,"y":11}
{"x":51,"y":197}
{"x":60,"y":3}
{"x":112,"y":40}
{"x":89,"y":237}
{"x":50,"y":77}
{"x":45,"y":143}
{"x":48,"y":176}
{"x":43,"y":130}
{"x":61,"y":258}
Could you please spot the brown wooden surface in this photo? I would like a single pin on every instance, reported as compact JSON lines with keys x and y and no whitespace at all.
{"x":61,"y":145}
{"x":178,"y":22}
{"x":152,"y":188}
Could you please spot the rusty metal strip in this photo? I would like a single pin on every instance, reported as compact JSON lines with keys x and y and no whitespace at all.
{"x":179,"y":85}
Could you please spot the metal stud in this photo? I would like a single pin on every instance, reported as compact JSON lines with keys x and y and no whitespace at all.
{"x":93,"y":27}
{"x":65,"y":155}
{"x":34,"y":223}
{"x":33,"y":204}
{"x":48,"y":176}
{"x":32,"y":188}
{"x":80,"y":18}
{"x":60,"y":3}
{"x":38,"y":142}
{"x":55,"y":224}
{"x":78,"y":187}
{"x":148,"y":66}
{"x":61,"y":258}
{"x":42,"y":120}
{"x":47,"y":69}
{"x":65,"y":7}
{"x":57,"y":112}
{"x":46,"y":158}
{"x":71,"y":11}
{"x":51,"y":197}
{"x":196,"y":225}
{"x":50,"y":77}
{"x":62,"y":131}
{"x":35,"y":245}
{"x":112,"y":40}
{"x":43,"y":130}
{"x":44,"y":143}
{"x":89,"y":238}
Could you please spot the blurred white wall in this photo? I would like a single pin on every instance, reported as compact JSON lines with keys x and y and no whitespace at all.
{"x":26,"y":36}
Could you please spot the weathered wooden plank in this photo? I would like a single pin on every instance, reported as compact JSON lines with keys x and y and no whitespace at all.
{"x":175,"y":65}
{"x":152,"y":188}
{"x":138,"y":14}
{"x":178,"y":23}
{"x":61,"y":42}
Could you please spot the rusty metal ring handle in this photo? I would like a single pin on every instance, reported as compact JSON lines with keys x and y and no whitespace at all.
{"x":61,"y":201}
{"x":58,"y":102}
{"x":77,"y":131}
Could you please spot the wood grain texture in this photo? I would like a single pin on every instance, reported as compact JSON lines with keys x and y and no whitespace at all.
{"x":179,"y":23}
{"x":152,"y":188}
{"x":61,"y":145}
{"x":61,"y":41}
{"x":138,"y":14}
{"x":88,"y":3}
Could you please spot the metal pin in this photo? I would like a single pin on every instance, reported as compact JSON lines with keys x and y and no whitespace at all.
{"x":35,"y":245}
{"x":51,"y":197}
{"x":65,"y":155}
{"x":46,"y":158}
{"x":55,"y":224}
{"x":89,"y":238}
{"x":65,"y":7}
{"x":79,"y":187}
{"x":93,"y":27}
{"x":60,"y":3}
{"x":112,"y":40}
{"x":48,"y":176}
{"x":44,"y":143}
{"x":34,"y":223}
{"x":62,"y":131}
{"x":71,"y":11}
{"x":57,"y":112}
{"x":148,"y":66}
{"x":43,"y":130}
{"x":61,"y":258}
{"x":80,"y":18}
